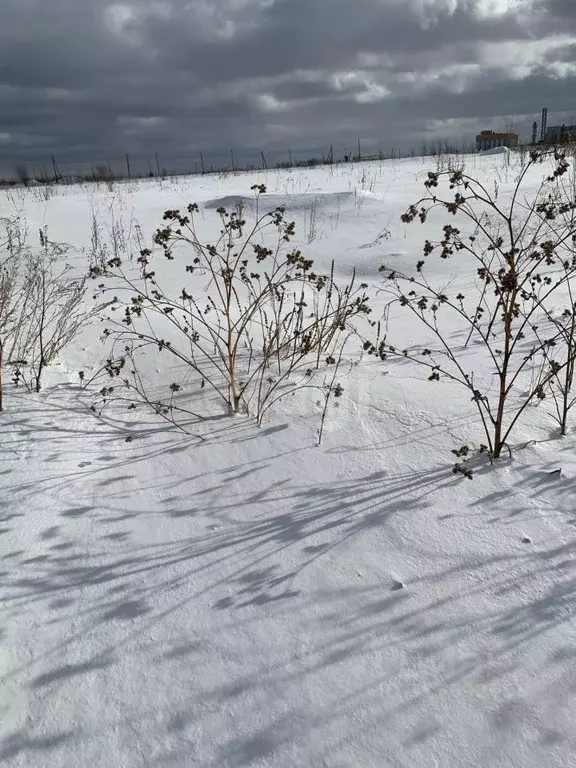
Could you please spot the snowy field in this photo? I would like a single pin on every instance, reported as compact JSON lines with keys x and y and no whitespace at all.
{"x":254,"y":599}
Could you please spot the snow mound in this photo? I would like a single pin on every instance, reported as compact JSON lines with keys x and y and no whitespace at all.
{"x":496,"y":151}
{"x":267,"y":203}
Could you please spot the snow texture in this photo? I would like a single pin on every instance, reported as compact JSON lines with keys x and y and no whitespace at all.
{"x":256,"y":600}
{"x":496,"y":151}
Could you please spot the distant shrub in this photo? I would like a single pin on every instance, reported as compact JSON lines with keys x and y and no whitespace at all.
{"x":23,"y":174}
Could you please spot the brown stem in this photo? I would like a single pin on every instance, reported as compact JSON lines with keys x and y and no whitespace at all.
{"x":503,"y":389}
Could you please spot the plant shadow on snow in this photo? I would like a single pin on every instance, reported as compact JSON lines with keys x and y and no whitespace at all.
{"x":68,"y":671}
{"x":19,"y":743}
{"x":45,"y":418}
{"x":351,"y":632}
{"x":241,"y":564}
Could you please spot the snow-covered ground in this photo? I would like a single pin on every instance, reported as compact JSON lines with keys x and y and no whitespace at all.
{"x":236,"y":602}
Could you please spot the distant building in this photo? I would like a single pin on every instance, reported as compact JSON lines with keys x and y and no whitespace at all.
{"x":490,"y":139}
{"x":560,"y":134}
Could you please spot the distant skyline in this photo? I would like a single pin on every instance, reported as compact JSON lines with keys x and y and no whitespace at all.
{"x":89,"y":80}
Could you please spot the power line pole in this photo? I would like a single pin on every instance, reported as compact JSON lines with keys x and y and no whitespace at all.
{"x":544,"y":124}
{"x":232,"y":159}
{"x":55,"y":170}
{"x":128,"y":165}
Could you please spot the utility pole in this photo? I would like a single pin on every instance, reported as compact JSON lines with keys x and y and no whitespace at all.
{"x":129,"y":170}
{"x":55,"y":170}
{"x":544,"y":124}
{"x":232,"y":159}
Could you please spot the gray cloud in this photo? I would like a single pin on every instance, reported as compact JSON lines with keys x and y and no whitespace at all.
{"x":90,"y":80}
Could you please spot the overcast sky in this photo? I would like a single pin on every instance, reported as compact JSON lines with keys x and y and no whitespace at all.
{"x":94,"y":79}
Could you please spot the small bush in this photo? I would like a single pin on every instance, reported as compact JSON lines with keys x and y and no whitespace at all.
{"x":520,"y":258}
{"x":42,"y":305}
{"x":253,"y":321}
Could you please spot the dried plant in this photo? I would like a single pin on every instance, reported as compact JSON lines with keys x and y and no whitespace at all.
{"x":42,"y":305}
{"x":521,"y":256}
{"x":260,"y":328}
{"x":10,"y":251}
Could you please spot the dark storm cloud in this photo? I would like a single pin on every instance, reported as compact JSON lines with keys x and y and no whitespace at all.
{"x":563,"y":10}
{"x":88,"y":79}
